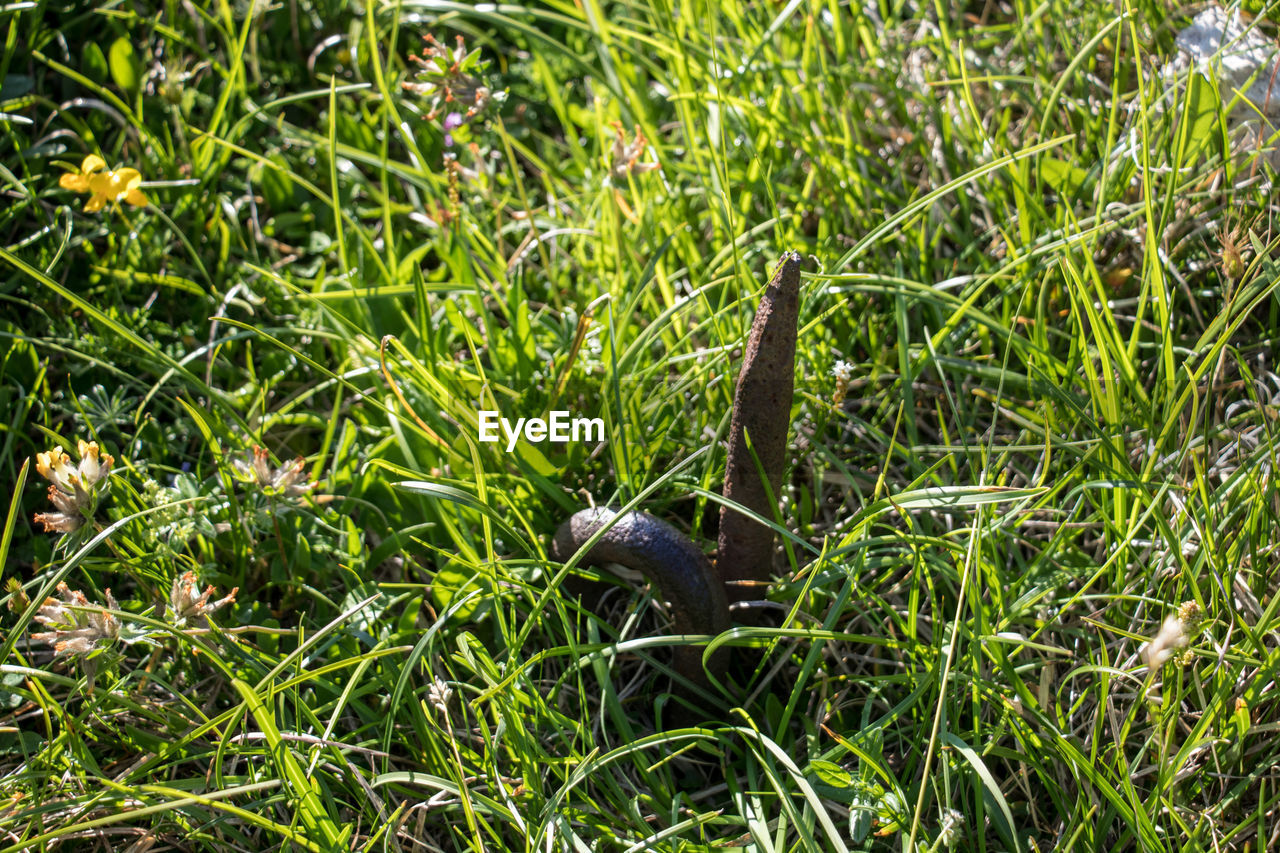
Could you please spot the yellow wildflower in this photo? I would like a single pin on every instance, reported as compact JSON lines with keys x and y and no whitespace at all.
{"x":104,"y":185}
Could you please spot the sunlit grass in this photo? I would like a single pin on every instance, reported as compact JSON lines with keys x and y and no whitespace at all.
{"x":1038,"y":264}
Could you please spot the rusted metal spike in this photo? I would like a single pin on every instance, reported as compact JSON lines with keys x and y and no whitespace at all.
{"x":761,"y":410}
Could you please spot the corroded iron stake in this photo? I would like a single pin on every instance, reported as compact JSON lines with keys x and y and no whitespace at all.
{"x":762,"y":415}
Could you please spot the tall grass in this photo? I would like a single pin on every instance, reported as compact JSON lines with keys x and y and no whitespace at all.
{"x":1051,"y":268}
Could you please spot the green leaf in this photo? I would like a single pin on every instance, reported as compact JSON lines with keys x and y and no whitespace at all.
{"x":1065,"y":178}
{"x":18,"y":85}
{"x":830,"y":773}
{"x":126,"y":71}
{"x":15,"y":509}
{"x":319,"y":242}
{"x":1203,"y":107}
{"x":1001,"y":815}
{"x":93,"y":63}
{"x":457,"y":581}
{"x":449,"y":493}
{"x":861,"y":811}
{"x":404,"y":269}
{"x":1240,"y":719}
{"x":276,"y":184}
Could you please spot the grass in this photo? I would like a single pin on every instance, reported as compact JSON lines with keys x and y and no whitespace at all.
{"x":1052,"y":273}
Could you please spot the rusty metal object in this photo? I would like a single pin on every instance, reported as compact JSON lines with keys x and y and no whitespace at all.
{"x":684,"y":575}
{"x":700,"y":593}
{"x":761,"y":417}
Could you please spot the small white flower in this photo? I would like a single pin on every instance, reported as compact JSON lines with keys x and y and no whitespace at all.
{"x":952,"y":827}
{"x":439,"y":693}
{"x":1172,"y":636}
{"x":842,"y":371}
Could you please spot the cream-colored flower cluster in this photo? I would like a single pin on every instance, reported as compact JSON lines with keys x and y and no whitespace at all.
{"x":1174,"y":636}
{"x":76,"y":631}
{"x":80,"y":627}
{"x":187,"y":604}
{"x":451,"y":78}
{"x":75,"y":490}
{"x":287,"y":480}
{"x":624,"y":159}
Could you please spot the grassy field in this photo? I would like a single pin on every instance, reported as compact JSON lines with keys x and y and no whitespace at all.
{"x":1027,"y":598}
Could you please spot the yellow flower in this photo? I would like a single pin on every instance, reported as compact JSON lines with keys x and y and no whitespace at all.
{"x":104,"y":185}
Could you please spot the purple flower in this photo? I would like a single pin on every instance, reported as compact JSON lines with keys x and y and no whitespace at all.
{"x":451,"y":122}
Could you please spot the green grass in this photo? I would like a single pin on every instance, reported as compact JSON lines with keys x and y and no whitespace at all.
{"x":1029,"y":300}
